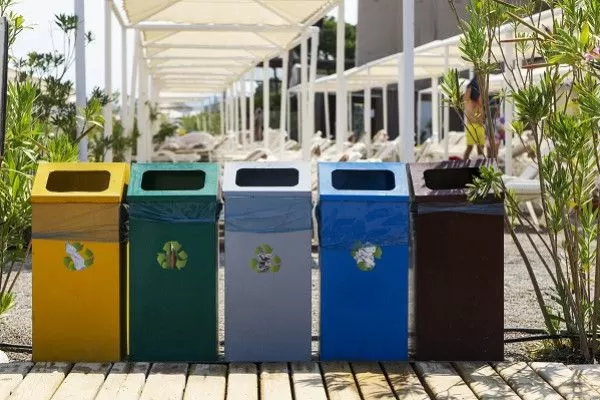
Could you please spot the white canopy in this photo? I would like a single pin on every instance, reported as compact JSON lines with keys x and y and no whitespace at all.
{"x":204,"y":46}
{"x":431,"y":60}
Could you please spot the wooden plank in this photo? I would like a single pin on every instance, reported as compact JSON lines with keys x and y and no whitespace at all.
{"x":41,"y":382}
{"x":206,"y":382}
{"x":308,"y":383}
{"x":83,"y":382}
{"x":165,"y":382}
{"x":405,"y":381}
{"x":242,"y":383}
{"x":565,"y":381}
{"x":124,"y":382}
{"x":372,"y":381}
{"x":11,"y":375}
{"x":443,"y":381}
{"x":523,"y":380}
{"x":275,"y":382}
{"x":485,"y":382}
{"x":590,"y":373}
{"x":340,"y":381}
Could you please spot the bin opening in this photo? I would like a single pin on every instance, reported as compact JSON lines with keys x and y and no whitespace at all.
{"x":173,"y":180}
{"x":453,"y":178}
{"x":376,"y":180}
{"x":78,"y":181}
{"x":271,"y":177}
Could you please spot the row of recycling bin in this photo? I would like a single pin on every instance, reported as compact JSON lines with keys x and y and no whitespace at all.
{"x":125,"y":262}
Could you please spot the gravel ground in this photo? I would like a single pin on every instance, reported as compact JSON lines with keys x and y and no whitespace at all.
{"x":520,"y":306}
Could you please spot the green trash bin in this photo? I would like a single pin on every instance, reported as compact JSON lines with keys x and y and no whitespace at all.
{"x":173,"y":262}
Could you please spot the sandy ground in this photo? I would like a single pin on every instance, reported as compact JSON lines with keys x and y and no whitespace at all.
{"x":520,"y":307}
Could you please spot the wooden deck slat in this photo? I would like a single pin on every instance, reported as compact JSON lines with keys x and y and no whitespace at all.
{"x":308,"y":382}
{"x":485,"y":382}
{"x":405,"y":381}
{"x":372,"y":381}
{"x":124,"y":382}
{"x":275,"y":382}
{"x":590,"y":373}
{"x":566,"y":382}
{"x":83,"y":382}
{"x":11,"y":375}
{"x":207,"y":382}
{"x":340,"y":381}
{"x":41,"y":382}
{"x":443,"y":381}
{"x":242,"y":382}
{"x":166,"y":381}
{"x":523,"y":380}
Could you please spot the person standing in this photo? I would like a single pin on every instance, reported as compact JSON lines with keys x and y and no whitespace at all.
{"x":474,"y":128}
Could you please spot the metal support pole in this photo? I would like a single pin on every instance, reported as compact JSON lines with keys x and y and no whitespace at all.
{"x":306,"y":135}
{"x":384,"y":91}
{"x":408,"y":49}
{"x":252,"y":118}
{"x":266,"y":104}
{"x":133,"y":93}
{"x":123,"y":75}
{"x":221,"y":115}
{"x":435,"y":109}
{"x":80,"y":75}
{"x":446,"y":109}
{"x":284,"y":87}
{"x":142,"y":113}
{"x":327,"y":116}
{"x":340,"y":98}
{"x":419,"y":115}
{"x":314,"y":48}
{"x":367,"y":119}
{"x":108,"y":75}
{"x":243,"y":110}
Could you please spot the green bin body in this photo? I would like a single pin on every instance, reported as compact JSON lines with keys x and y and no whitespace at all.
{"x":173,"y":262}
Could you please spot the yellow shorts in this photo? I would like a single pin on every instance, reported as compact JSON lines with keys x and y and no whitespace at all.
{"x":475,"y":134}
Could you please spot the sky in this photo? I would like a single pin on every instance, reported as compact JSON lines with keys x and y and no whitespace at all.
{"x":45,"y":36}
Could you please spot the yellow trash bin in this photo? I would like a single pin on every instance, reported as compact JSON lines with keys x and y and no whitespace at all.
{"x":78,"y":262}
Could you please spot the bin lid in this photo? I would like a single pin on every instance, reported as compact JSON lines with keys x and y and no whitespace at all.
{"x":444,"y":181}
{"x":267,"y":178}
{"x":173,"y":181}
{"x":80,"y":183}
{"x":363,"y":181}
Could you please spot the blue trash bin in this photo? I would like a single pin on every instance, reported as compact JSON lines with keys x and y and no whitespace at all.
{"x":364,"y":257}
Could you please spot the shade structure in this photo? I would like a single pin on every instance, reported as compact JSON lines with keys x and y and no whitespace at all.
{"x":429,"y":60}
{"x":205,"y":46}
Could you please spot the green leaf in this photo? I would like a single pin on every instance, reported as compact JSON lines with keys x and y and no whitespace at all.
{"x":267,"y":248}
{"x":180,"y":264}
{"x":362,"y":266}
{"x":254,"y":265}
{"x":161,"y":258}
{"x":71,"y":266}
{"x":584,"y":36}
{"x":277,"y":260}
{"x":258,"y":250}
{"x":88,"y":253}
{"x":183,"y":255}
{"x":78,"y":246}
{"x":88,"y":263}
{"x":67,"y":261}
{"x":176,"y":246}
{"x":378,"y":252}
{"x":275,"y":268}
{"x":167,"y":246}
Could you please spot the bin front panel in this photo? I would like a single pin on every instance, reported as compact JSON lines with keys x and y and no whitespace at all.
{"x":76,"y":283}
{"x":268,"y":277}
{"x":173,"y":279}
{"x":364,"y":280}
{"x":459,"y":274}
{"x":268,"y":296}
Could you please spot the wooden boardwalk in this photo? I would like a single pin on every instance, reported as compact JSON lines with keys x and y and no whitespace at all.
{"x":306,"y":381}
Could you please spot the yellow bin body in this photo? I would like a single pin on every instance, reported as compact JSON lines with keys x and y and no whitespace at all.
{"x":78,"y":262}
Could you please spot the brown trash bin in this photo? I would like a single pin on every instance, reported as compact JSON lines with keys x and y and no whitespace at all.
{"x":458,"y":252}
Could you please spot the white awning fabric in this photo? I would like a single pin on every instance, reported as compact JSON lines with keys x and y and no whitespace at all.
{"x":430,"y":60}
{"x":207,"y":45}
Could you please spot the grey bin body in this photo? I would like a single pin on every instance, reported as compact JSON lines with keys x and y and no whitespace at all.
{"x":267,"y":262}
